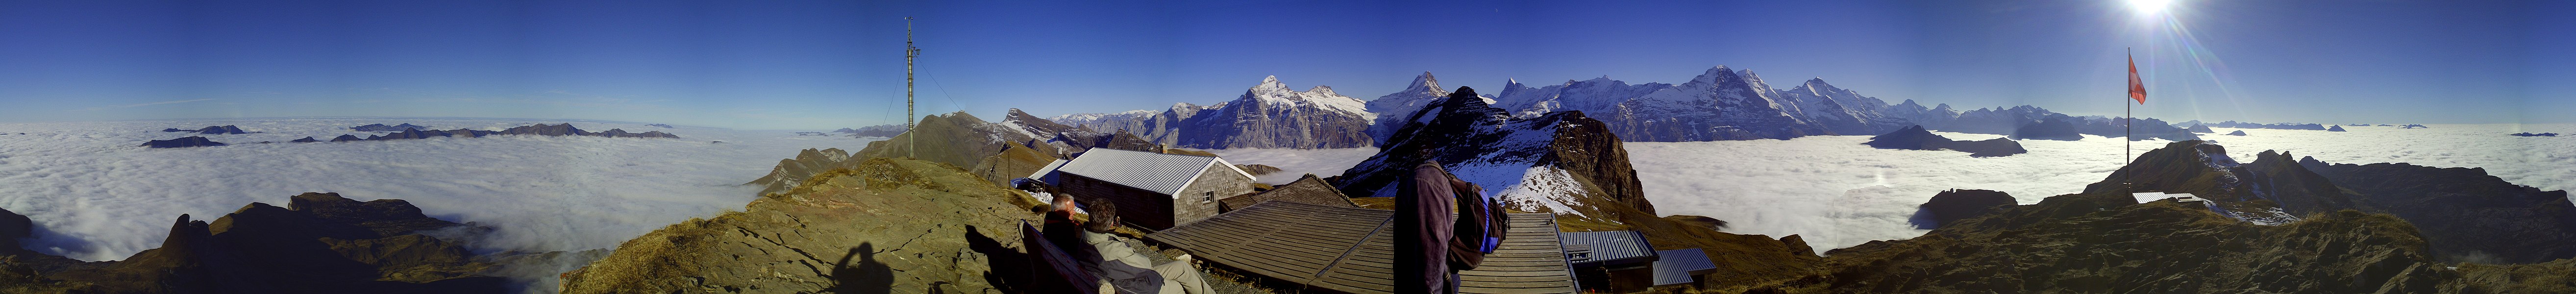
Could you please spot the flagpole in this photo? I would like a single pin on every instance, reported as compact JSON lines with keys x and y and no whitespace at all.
{"x":2128,"y":112}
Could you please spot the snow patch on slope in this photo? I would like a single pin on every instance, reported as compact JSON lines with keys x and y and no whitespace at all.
{"x":1527,"y":188}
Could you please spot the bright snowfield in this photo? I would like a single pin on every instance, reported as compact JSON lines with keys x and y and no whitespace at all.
{"x":1837,"y":193}
{"x":95,"y":196}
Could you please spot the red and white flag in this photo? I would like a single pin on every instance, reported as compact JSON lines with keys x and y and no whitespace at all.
{"x":2137,"y":89}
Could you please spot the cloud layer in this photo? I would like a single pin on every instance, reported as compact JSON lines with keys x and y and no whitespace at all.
{"x":1837,"y":193}
{"x":97,"y":197}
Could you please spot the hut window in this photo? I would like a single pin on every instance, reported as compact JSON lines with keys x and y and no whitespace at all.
{"x":1205,"y":197}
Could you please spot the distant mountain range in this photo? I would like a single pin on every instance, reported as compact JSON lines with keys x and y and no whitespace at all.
{"x":1719,"y":104}
{"x":1269,"y":115}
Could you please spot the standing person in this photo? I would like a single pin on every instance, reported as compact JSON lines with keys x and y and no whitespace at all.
{"x":1426,"y":200}
{"x":1425,"y":230}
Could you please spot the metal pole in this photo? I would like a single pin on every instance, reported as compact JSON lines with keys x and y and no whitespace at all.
{"x":2127,"y":112}
{"x":909,"y":53}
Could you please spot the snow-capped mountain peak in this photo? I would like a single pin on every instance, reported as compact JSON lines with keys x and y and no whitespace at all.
{"x":1709,"y":77}
{"x":1322,"y":90}
{"x":1424,"y":84}
{"x":1392,"y":109}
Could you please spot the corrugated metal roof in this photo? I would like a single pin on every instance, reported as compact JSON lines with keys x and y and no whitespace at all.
{"x":1607,"y":246}
{"x":1161,"y":173}
{"x":1675,"y":266}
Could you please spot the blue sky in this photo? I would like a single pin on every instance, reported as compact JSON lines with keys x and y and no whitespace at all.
{"x":829,"y":64}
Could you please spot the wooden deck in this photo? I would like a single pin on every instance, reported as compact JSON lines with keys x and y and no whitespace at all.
{"x":1529,"y":261}
{"x":1352,"y":249}
{"x":1296,"y":242}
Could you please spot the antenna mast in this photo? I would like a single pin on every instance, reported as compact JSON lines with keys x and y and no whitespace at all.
{"x":909,"y":53}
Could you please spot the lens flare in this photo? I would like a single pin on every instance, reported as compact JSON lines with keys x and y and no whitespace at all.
{"x":2150,"y":6}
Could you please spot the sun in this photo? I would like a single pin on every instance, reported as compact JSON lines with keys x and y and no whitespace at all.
{"x":2150,"y":7}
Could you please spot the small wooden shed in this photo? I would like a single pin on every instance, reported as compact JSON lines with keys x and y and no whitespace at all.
{"x":1152,"y":190}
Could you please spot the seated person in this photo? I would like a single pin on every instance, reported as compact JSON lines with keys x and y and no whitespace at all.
{"x":1109,"y":256}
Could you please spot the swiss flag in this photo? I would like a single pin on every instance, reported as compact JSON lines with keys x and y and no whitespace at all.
{"x":2137,"y":89}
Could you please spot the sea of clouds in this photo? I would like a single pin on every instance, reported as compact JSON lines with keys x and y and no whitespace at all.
{"x":95,"y":196}
{"x":1837,"y":193}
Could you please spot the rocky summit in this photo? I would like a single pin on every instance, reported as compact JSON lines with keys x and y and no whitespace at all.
{"x":2272,"y":190}
{"x":793,"y":171}
{"x":884,"y":226}
{"x":318,"y":243}
{"x":2376,"y":228}
{"x":995,"y":151}
{"x":2467,"y":215}
{"x":2103,"y":243}
{"x":1958,"y":204}
{"x":1536,"y":164}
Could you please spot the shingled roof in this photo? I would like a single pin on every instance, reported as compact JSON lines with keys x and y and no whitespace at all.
{"x":1157,"y":172}
{"x":1352,"y":250}
{"x":1308,"y":190}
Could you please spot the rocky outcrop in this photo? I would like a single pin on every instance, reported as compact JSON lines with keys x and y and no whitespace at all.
{"x":2236,"y":133}
{"x":1071,"y":140}
{"x":957,"y":139}
{"x":190,"y":141}
{"x":2273,"y":189}
{"x":1550,"y":163}
{"x":2334,"y":129}
{"x":307,"y":139}
{"x":2535,"y":135}
{"x":2467,"y":214}
{"x":319,"y":243}
{"x":886,"y":226}
{"x":1916,"y":138}
{"x":1957,"y":204}
{"x":2201,"y":129}
{"x":2102,"y":243}
{"x":386,"y":128}
{"x":212,"y":130}
{"x":793,"y":171}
